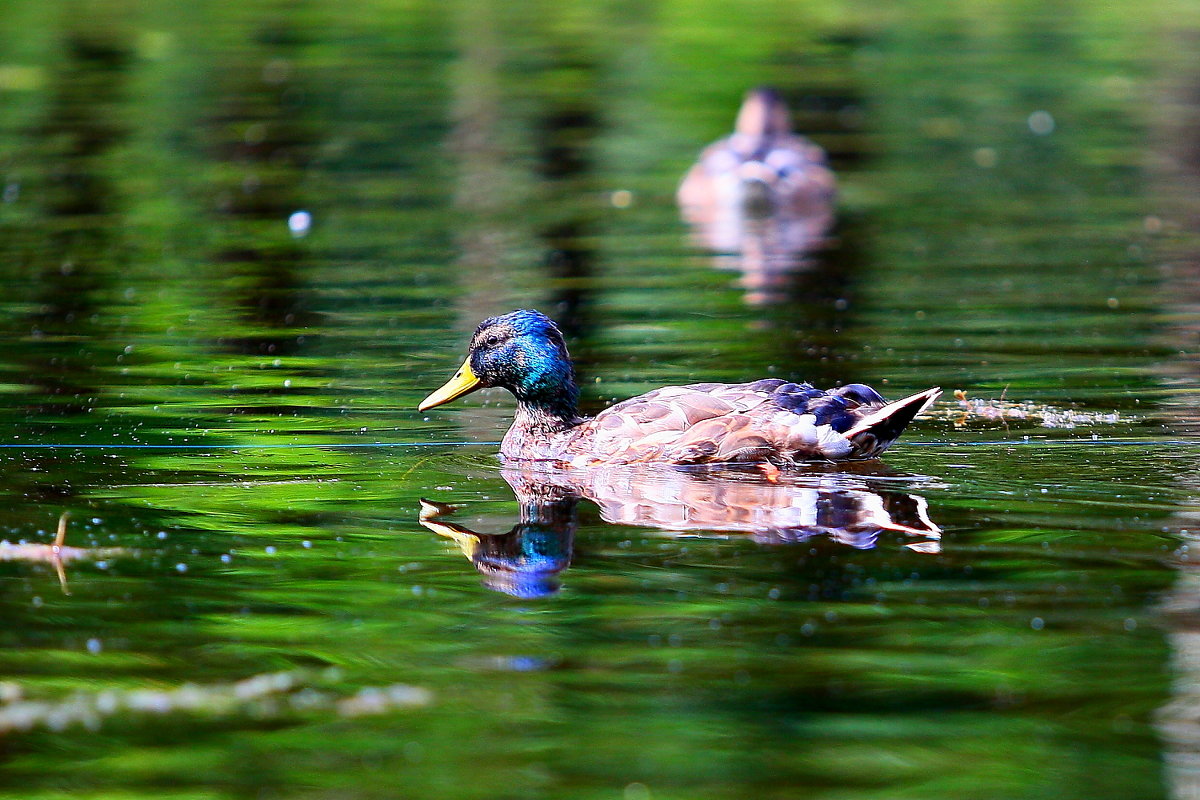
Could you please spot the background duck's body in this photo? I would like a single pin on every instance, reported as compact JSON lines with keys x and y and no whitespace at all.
{"x":767,"y":421}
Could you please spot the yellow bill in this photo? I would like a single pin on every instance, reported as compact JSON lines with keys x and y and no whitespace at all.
{"x":463,"y":382}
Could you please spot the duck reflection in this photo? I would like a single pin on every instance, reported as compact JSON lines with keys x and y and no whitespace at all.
{"x":762,"y":199}
{"x":526,"y":561}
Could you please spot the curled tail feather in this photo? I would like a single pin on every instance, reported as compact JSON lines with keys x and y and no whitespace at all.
{"x":875,"y":432}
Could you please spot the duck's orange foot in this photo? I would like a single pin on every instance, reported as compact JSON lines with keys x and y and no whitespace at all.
{"x":770,"y":472}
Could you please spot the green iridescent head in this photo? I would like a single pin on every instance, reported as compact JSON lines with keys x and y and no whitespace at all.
{"x":524,"y":352}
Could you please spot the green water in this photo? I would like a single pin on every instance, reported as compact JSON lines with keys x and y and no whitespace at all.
{"x":232,"y":407}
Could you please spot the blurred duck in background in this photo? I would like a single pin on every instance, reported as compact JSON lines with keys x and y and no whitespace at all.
{"x":763,"y":167}
{"x":762,"y":197}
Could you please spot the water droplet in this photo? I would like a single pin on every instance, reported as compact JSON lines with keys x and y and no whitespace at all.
{"x":637,"y":791}
{"x":985,"y":157}
{"x":299,"y":223}
{"x":1041,"y":123}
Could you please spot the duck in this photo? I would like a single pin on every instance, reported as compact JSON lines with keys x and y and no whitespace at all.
{"x":770,"y":422}
{"x":762,"y":166}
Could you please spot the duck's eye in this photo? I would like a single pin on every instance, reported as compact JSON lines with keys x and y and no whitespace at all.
{"x":492,"y":340}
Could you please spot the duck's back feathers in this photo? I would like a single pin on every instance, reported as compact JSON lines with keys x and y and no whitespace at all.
{"x":769,"y":420}
{"x":789,"y":173}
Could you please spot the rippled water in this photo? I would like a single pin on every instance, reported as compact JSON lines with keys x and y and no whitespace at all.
{"x":225,"y":403}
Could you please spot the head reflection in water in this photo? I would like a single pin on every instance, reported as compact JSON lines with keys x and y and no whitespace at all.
{"x":526,"y":561}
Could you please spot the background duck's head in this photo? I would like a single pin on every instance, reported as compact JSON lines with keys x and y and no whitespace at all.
{"x":763,"y":114}
{"x":524,"y":352}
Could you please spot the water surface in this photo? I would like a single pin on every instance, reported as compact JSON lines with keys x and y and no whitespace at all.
{"x":229,"y":402}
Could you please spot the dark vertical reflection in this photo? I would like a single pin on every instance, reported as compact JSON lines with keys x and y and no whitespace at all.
{"x":489,"y":183}
{"x":483,"y":187}
{"x":261,"y":137}
{"x":821,"y":308}
{"x":512,"y":205}
{"x":75,"y":252}
{"x":72,"y":257}
{"x":566,"y":131}
{"x":1181,"y":286}
{"x":1179,"y":719}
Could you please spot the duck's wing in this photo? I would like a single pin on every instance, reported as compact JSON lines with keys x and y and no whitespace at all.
{"x":646,"y":427}
{"x":768,"y":420}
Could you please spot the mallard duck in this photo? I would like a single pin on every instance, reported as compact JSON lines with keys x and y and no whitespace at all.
{"x":770,"y":421}
{"x":762,"y":165}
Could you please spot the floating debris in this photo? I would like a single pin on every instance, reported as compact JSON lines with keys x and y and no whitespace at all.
{"x":273,"y":694}
{"x":58,"y":553}
{"x":1003,"y":410}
